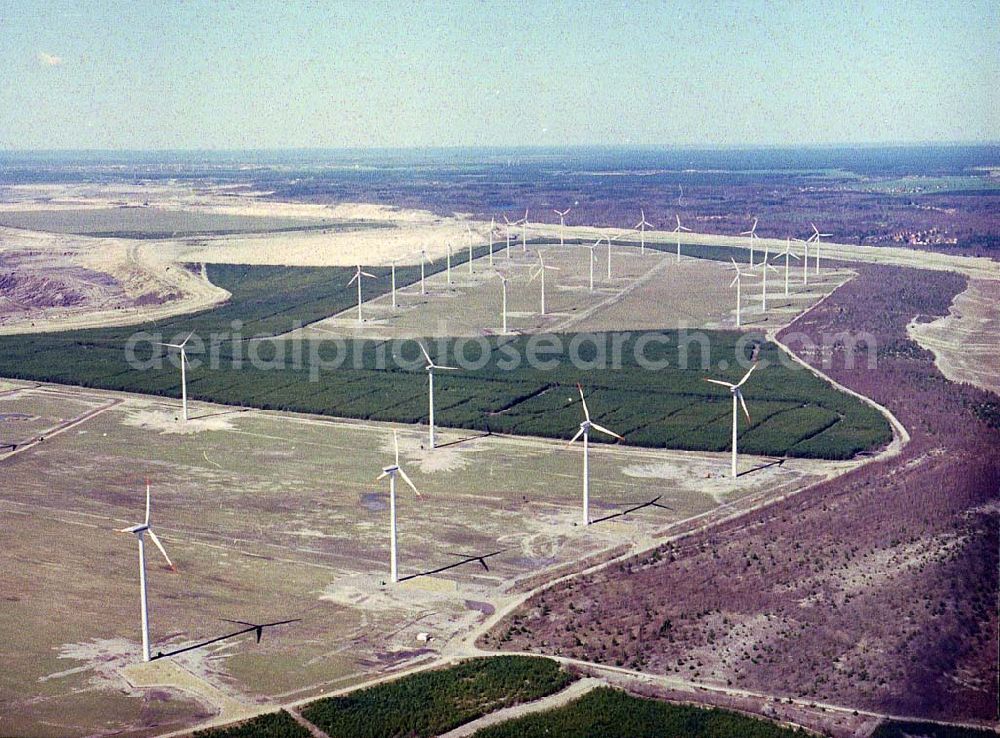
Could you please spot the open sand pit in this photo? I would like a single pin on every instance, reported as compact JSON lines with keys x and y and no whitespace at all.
{"x":966,"y":342}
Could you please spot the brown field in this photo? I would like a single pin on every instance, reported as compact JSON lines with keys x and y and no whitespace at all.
{"x":270,"y":517}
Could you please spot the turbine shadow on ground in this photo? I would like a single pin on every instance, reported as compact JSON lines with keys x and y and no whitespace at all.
{"x":761,"y":467}
{"x":465,"y":559}
{"x":233,"y":411}
{"x":257,"y":628}
{"x":635,"y":508}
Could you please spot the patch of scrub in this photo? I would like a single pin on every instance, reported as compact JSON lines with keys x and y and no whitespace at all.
{"x":168,"y":423}
{"x":427,"y":461}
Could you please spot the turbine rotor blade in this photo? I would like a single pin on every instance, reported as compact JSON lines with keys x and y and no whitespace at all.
{"x":605,"y":431}
{"x":730,"y":385}
{"x":409,"y":482}
{"x":747,"y":375}
{"x":574,"y":438}
{"x":744,"y":404}
{"x":147,"y":502}
{"x":424,"y":350}
{"x":586,"y":411}
{"x":163,"y":551}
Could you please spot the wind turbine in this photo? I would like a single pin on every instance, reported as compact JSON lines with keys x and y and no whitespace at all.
{"x":593,"y":260}
{"x":737,"y":396}
{"x":641,"y":227}
{"x":584,"y":431}
{"x":393,"y":267}
{"x":678,"y":230}
{"x":764,"y":265}
{"x":562,"y":225}
{"x":139,"y":531}
{"x":617,"y":235}
{"x":540,"y":272}
{"x":492,"y":226}
{"x":503,"y":304}
{"x":815,"y":239}
{"x":753,"y":235}
{"x":448,"y":265}
{"x":739,"y":284}
{"x":430,"y":367}
{"x":184,"y":392}
{"x":357,"y":278}
{"x":391,"y":472}
{"x":524,"y":232}
{"x":788,"y":255}
{"x":469,"y":229}
{"x":423,"y":260}
{"x":508,"y":224}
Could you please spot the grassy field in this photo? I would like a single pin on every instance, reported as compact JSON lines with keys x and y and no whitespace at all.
{"x":610,"y":713}
{"x":794,"y":413}
{"x":153,"y":223}
{"x":433,"y":702}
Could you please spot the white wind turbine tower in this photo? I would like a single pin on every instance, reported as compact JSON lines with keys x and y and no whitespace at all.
{"x":617,"y":235}
{"x":737,"y":396}
{"x":183,"y":359}
{"x":593,"y":260}
{"x":737,"y":280}
{"x":139,"y":531}
{"x":788,"y":255}
{"x":492,"y":226}
{"x":503,"y":303}
{"x":540,"y":272}
{"x":430,"y":367}
{"x":584,"y":431}
{"x":641,"y":227}
{"x":392,"y":264}
{"x":562,"y":225}
{"x":815,"y":239}
{"x":765,"y":266}
{"x":753,"y":236}
{"x":469,"y":229}
{"x":391,"y":472}
{"x":678,"y":230}
{"x":805,"y":261}
{"x":447,"y":268}
{"x":357,"y":278}
{"x":508,"y":224}
{"x":524,"y":232}
{"x":423,"y":261}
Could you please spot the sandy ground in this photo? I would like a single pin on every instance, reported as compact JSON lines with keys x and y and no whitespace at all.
{"x":648,"y":292}
{"x":141,"y":283}
{"x":147,"y":283}
{"x":966,"y":342}
{"x":269,"y":516}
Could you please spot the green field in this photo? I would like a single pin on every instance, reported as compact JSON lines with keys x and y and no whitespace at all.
{"x":433,"y":702}
{"x":153,"y":223}
{"x":610,"y":713}
{"x":793,"y":412}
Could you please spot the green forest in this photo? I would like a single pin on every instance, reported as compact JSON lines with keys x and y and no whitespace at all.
{"x":433,"y":702}
{"x":793,"y":413}
{"x":610,"y":713}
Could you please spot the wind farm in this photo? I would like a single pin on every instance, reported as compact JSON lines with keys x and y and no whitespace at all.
{"x":486,"y":371}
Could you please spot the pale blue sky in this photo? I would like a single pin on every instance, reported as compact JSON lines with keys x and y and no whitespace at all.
{"x":236,"y":75}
